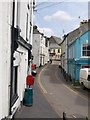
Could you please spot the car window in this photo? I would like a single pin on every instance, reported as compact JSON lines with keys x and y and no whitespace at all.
{"x":88,"y":77}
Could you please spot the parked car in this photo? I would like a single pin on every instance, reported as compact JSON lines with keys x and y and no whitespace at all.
{"x":85,"y":78}
{"x":59,"y":65}
{"x":34,"y":73}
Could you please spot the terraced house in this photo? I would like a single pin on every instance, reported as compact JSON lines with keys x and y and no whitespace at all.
{"x":55,"y":48}
{"x":15,"y":52}
{"x":40,"y":48}
{"x":78,"y":50}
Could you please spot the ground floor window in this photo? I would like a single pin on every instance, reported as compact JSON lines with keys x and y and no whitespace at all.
{"x":14,"y":84}
{"x":85,"y":66}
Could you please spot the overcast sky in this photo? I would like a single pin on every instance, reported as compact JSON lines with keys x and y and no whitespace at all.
{"x":59,"y":17}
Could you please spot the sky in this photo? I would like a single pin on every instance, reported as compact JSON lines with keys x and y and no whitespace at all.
{"x":59,"y":17}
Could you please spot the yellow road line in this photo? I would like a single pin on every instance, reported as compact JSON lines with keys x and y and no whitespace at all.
{"x":43,"y":90}
{"x":70,"y":89}
{"x":39,"y":81}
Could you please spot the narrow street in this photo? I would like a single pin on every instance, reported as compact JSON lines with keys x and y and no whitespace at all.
{"x":40,"y":108}
{"x":53,"y":96}
{"x":61,"y":96}
{"x":44,"y":60}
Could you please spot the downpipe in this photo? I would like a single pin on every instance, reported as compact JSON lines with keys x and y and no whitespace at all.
{"x":12,"y":47}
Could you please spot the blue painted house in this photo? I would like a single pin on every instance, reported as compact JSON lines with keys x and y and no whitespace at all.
{"x":78,"y":50}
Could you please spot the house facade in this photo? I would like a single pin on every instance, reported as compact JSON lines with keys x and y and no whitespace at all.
{"x":64,"y":57}
{"x":40,"y":48}
{"x":15,"y":55}
{"x":46,"y":50}
{"x":78,"y":51}
{"x":54,"y":48}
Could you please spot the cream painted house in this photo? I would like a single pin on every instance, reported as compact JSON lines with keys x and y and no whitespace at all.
{"x":54,"y":48}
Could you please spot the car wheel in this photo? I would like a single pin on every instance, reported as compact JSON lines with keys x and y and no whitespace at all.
{"x":82,"y":85}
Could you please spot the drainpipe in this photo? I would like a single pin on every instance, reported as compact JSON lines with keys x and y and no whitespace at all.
{"x":67,"y":57}
{"x":32,"y":3}
{"x":12,"y":49}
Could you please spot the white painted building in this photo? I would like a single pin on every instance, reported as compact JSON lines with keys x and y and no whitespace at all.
{"x":14,"y":54}
{"x":46,"y":50}
{"x":40,"y":49}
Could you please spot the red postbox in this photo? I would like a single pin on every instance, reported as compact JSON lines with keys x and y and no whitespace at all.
{"x":29,"y":80}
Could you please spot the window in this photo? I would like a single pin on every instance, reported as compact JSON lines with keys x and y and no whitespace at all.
{"x":85,"y":66}
{"x":27,"y":28}
{"x":86,"y":50}
{"x":46,"y":43}
{"x":54,"y":50}
{"x":18,"y":13}
{"x":88,"y":78}
{"x":58,"y":50}
{"x":72,"y":52}
{"x":14,"y":84}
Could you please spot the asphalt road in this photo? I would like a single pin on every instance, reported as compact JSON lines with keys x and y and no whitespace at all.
{"x":40,"y":107}
{"x":60,"y":95}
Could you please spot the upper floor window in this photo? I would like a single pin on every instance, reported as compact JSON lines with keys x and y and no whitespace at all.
{"x":27,"y":28}
{"x":46,"y":43}
{"x":58,"y":50}
{"x":54,"y":50}
{"x":86,"y":50}
{"x":72,"y":52}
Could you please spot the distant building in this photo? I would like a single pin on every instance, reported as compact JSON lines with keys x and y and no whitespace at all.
{"x":40,"y":48}
{"x":54,"y":48}
{"x":64,"y":57}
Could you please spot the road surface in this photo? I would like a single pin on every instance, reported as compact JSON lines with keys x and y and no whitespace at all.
{"x":61,"y":96}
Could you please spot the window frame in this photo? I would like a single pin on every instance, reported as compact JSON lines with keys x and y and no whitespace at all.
{"x":85,"y":56}
{"x":14,"y":85}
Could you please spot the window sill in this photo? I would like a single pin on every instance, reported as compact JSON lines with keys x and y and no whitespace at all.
{"x":14,"y":98}
{"x":85,"y":57}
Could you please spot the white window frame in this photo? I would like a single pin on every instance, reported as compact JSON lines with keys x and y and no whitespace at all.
{"x":82,"y":51}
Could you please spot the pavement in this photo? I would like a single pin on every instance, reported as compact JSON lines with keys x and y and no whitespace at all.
{"x":40,"y":108}
{"x":71,"y":84}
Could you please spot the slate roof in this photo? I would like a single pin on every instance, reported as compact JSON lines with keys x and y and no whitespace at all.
{"x":72,"y":36}
{"x":54,"y":39}
{"x":54,"y":42}
{"x":36,"y":31}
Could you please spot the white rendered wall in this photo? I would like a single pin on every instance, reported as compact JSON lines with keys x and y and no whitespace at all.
{"x":5,"y":44}
{"x":1,"y":61}
{"x":36,"y":49}
{"x":5,"y":56}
